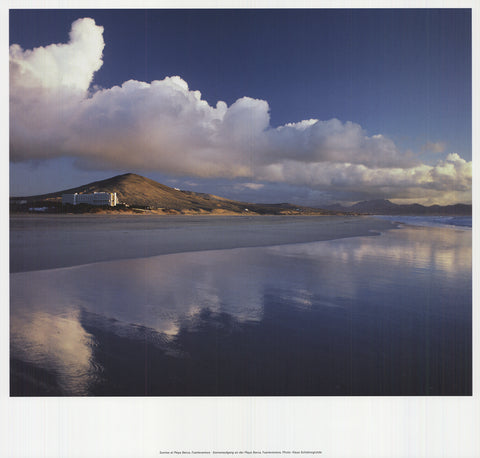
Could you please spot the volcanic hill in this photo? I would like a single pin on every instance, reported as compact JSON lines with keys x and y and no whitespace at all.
{"x":140,"y":192}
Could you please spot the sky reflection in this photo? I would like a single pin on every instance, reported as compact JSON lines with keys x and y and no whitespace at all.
{"x":60,"y":317}
{"x":57,"y":342}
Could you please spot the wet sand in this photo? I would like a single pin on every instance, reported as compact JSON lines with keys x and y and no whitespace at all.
{"x":365,"y":316}
{"x":48,"y":242}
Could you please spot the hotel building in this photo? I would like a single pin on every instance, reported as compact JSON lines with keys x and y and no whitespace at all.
{"x":97,"y":198}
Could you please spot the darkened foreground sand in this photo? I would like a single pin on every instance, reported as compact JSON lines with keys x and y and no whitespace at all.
{"x":47,"y":242}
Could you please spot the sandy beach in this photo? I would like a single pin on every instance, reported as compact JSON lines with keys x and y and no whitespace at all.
{"x":47,"y":242}
{"x":338,"y":314}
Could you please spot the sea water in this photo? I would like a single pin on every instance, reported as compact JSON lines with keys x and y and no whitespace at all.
{"x":431,"y":220}
{"x":389,"y":314}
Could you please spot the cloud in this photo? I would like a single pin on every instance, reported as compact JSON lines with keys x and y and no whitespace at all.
{"x":48,"y":85}
{"x":434,"y":147}
{"x":333,"y":141}
{"x":251,"y":186}
{"x":167,"y":127}
{"x":56,"y":66}
{"x":452,"y":174}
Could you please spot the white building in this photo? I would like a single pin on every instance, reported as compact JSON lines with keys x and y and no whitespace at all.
{"x":97,"y":198}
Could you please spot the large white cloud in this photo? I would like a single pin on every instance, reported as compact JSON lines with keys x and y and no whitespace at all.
{"x":165,"y":126}
{"x":57,"y":66}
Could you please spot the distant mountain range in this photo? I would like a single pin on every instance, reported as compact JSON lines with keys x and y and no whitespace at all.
{"x":140,"y":192}
{"x":385,"y":207}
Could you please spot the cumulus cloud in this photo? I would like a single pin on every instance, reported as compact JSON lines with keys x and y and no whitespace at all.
{"x":333,"y":141}
{"x":454,"y":173}
{"x":165,"y":126}
{"x":56,"y":66}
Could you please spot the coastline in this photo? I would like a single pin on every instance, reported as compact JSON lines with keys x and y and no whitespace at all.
{"x":55,"y":242}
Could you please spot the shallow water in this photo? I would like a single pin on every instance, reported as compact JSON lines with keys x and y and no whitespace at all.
{"x":430,"y":220}
{"x":383,"y":315}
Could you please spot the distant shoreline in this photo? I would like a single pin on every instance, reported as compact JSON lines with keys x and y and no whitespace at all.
{"x":156,"y":213}
{"x":173,"y":212}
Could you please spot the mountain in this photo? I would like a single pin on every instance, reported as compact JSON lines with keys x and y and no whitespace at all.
{"x":385,"y":207}
{"x":138,"y":191}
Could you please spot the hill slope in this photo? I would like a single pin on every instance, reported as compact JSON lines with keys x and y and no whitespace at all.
{"x":138,"y":191}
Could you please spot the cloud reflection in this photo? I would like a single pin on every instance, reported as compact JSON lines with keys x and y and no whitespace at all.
{"x":58,"y":343}
{"x":166,"y":294}
{"x":448,"y":250}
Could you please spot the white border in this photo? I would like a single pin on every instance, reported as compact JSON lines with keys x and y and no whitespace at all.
{"x":142,"y":427}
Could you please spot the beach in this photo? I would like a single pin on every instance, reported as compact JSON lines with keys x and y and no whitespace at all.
{"x":267,"y":306}
{"x":50,"y":241}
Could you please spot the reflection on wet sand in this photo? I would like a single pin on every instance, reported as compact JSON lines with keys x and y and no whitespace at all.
{"x":57,"y":343}
{"x":385,"y":315}
{"x":448,"y":250}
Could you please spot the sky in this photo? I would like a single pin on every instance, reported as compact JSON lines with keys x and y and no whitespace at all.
{"x":304,"y":106}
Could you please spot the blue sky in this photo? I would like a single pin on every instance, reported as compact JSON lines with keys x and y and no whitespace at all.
{"x":389,"y":90}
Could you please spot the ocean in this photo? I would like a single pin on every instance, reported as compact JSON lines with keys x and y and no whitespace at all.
{"x":387,"y":314}
{"x":432,"y":221}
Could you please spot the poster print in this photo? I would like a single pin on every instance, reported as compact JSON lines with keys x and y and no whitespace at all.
{"x":240,"y":203}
